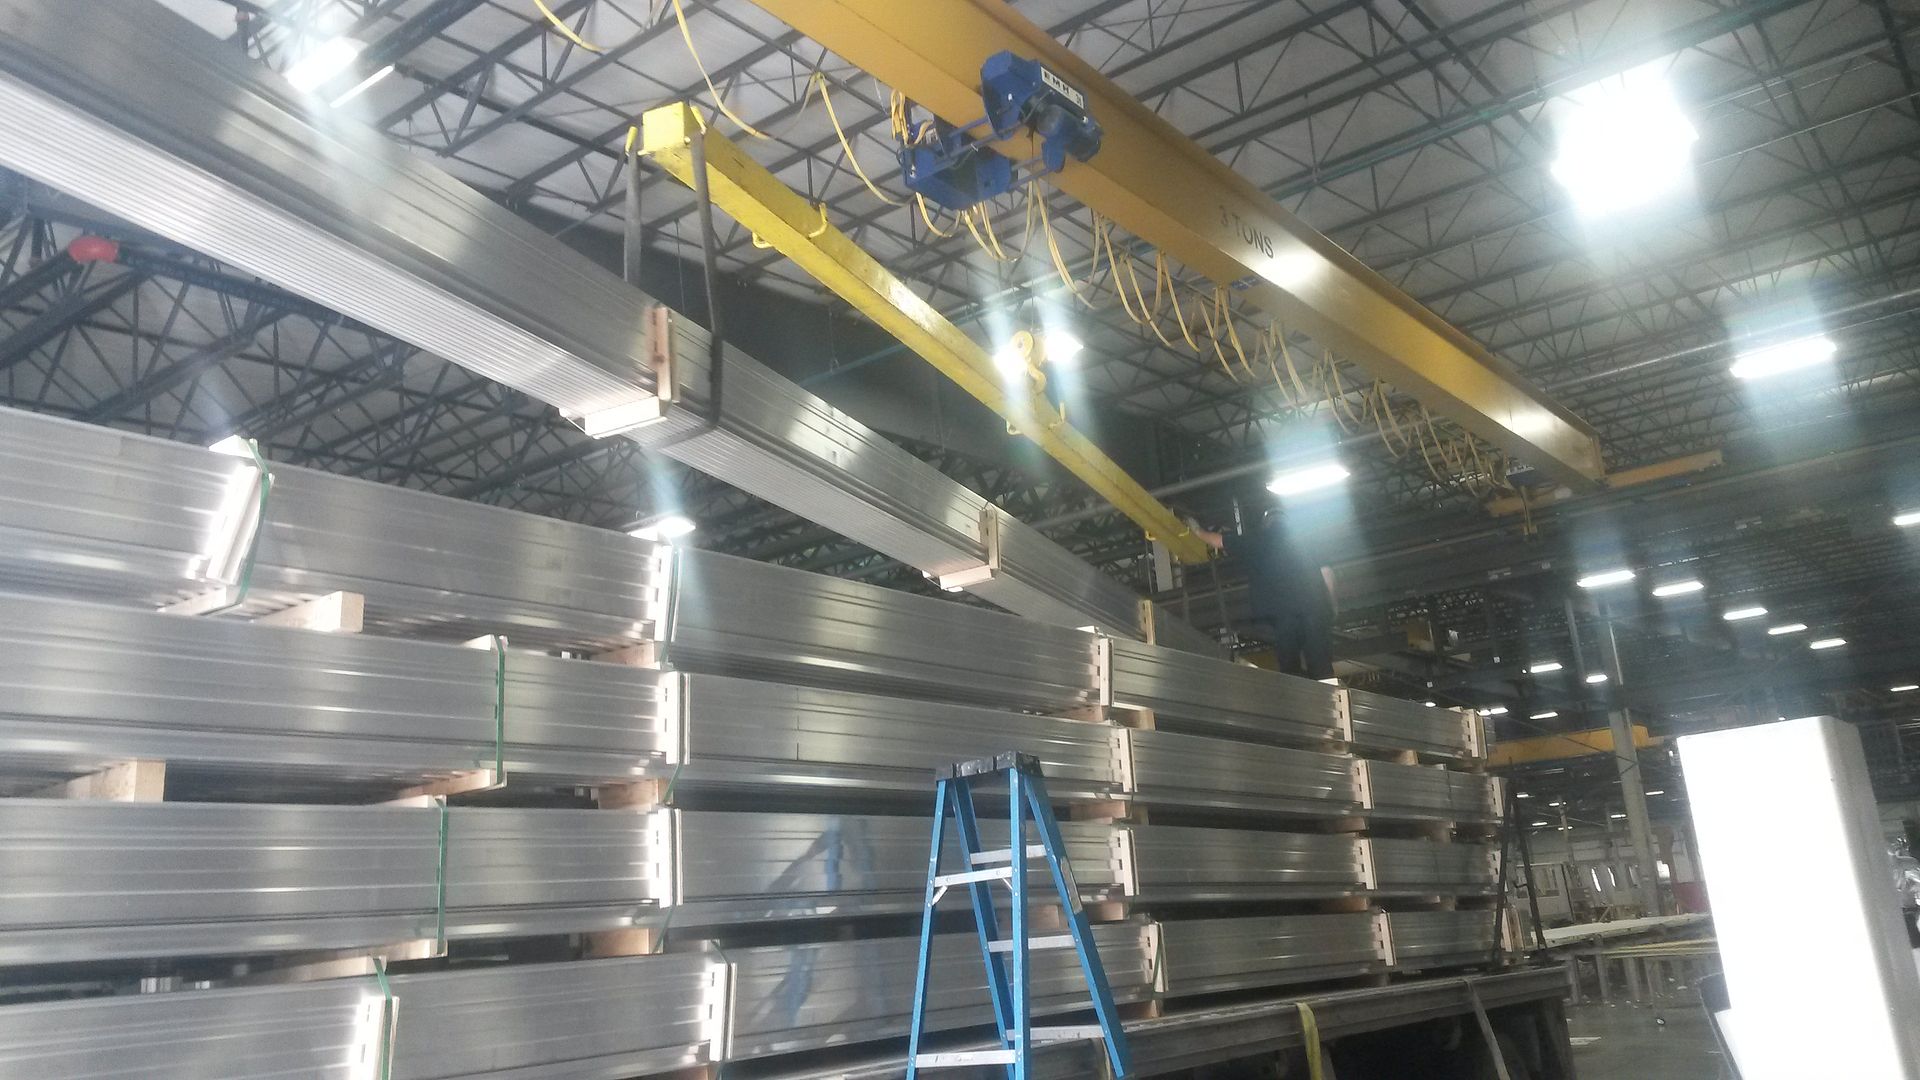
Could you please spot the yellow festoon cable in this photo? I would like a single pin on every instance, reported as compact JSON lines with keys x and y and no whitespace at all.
{"x":565,"y":30}
{"x":686,"y":35}
{"x":819,"y":81}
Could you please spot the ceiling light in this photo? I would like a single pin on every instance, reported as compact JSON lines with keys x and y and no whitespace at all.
{"x":1311,"y":478}
{"x":1542,"y":824}
{"x":1428,"y":704}
{"x":1497,"y":710}
{"x":1907,"y":518}
{"x":1596,"y":678}
{"x":1623,"y":143}
{"x":1657,"y":791}
{"x":232,"y":446}
{"x":1903,"y":688}
{"x":1605,"y":578}
{"x":1786,"y":628}
{"x":1544,"y":667}
{"x":1617,"y":817}
{"x":1010,"y":360}
{"x":665,"y":528}
{"x":322,"y":62}
{"x":1678,"y":588}
{"x":360,"y":87}
{"x":1548,"y":715}
{"x":1523,"y":794}
{"x":1784,"y":357}
{"x":1827,"y":643}
{"x":1739,"y":613}
{"x":1062,"y":347}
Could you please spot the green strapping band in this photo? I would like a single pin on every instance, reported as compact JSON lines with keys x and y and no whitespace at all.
{"x":440,"y":884}
{"x":1310,"y":1038}
{"x":384,"y":1071}
{"x":253,"y":544}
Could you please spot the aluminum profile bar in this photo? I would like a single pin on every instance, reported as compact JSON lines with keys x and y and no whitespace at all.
{"x":1430,"y":793}
{"x":82,"y":685}
{"x":1170,"y":192}
{"x":1194,"y":770}
{"x":144,"y":115}
{"x":93,"y":881}
{"x":735,"y":616}
{"x":1427,"y":868}
{"x":748,"y":867}
{"x":751,"y":735}
{"x":789,"y":998}
{"x":1389,"y":723}
{"x":1429,"y":939}
{"x":588,"y":1020}
{"x":1176,"y":863}
{"x":1208,"y":696}
{"x":92,"y":512}
{"x":1211,"y":955}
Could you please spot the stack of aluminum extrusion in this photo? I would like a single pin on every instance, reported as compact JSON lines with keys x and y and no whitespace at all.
{"x":611,"y":808}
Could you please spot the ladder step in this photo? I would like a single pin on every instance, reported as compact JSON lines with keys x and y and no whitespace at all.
{"x":1050,"y":941}
{"x":968,"y":877}
{"x":956,"y":1059}
{"x":1000,"y":855}
{"x":1064,"y":1033}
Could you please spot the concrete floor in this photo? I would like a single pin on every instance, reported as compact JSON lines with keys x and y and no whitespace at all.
{"x":1629,"y":1042}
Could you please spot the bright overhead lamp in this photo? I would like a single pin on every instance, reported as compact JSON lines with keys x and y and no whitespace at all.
{"x":1736,"y":614}
{"x":1310,"y":478}
{"x":1605,"y":578}
{"x":1679,"y":588}
{"x":1903,"y":688}
{"x":322,"y":62}
{"x":1544,"y":667}
{"x":1542,"y":824}
{"x":665,"y":528}
{"x":1062,"y":347}
{"x":1618,"y":817}
{"x":1548,"y":715}
{"x":1428,"y":704}
{"x":1623,"y":143}
{"x":1523,"y":794}
{"x":1596,"y":678}
{"x":232,"y":446}
{"x":1497,"y":710}
{"x":1784,"y":356}
{"x":1907,"y":519}
{"x":360,"y":87}
{"x":1657,"y":791}
{"x":1827,"y":643}
{"x":1786,"y":628}
{"x":1010,"y":360}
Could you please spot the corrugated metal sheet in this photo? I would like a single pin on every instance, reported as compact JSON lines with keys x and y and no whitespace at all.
{"x":1431,"y":868}
{"x":1389,"y":723}
{"x":1423,"y":939}
{"x":1209,"y":955}
{"x":1430,"y":792}
{"x":1194,"y":770}
{"x":1193,"y":864}
{"x":1195,"y":693}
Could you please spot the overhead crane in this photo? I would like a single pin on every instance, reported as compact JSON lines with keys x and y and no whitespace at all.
{"x":1170,"y":192}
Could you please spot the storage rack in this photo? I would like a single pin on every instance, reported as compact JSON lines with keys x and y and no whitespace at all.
{"x":701,"y":780}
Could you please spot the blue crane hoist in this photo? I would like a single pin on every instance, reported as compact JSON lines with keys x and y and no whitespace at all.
{"x":956,"y":167}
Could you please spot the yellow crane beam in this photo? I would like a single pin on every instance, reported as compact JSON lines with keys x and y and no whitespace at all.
{"x":1167,"y":190}
{"x":799,"y":230}
{"x":1573,"y":744}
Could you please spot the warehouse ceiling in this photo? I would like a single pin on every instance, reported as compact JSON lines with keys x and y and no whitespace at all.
{"x":1418,"y":134}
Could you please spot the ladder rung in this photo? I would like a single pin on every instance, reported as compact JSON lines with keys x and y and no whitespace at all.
{"x":1000,"y":855}
{"x":968,"y":877}
{"x":1050,"y":941}
{"x":1064,"y":1033}
{"x":954,"y":1059}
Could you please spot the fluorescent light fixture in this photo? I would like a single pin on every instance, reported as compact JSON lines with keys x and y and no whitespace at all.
{"x":1736,"y":614}
{"x":665,"y":529}
{"x":1903,"y":688}
{"x":1623,"y":143}
{"x":1311,"y":478}
{"x":1657,"y":791}
{"x":323,"y":62}
{"x":1331,"y":680}
{"x":1827,"y":643}
{"x":1428,"y":704}
{"x":1497,"y":710}
{"x":1062,"y":347}
{"x":361,"y":87}
{"x":1605,"y":578}
{"x":1544,"y":667}
{"x":1678,"y":588}
{"x":1786,"y":628}
{"x":1784,"y":356}
{"x":1523,"y":794}
{"x":1548,"y":715}
{"x":232,"y":446}
{"x":1542,"y":824}
{"x":1907,"y":519}
{"x":1596,"y":678}
{"x":1618,"y":817}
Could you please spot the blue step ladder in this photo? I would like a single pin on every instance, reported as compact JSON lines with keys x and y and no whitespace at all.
{"x":1007,"y":957}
